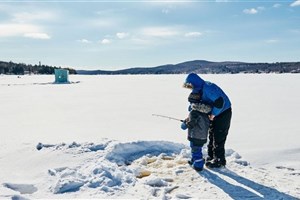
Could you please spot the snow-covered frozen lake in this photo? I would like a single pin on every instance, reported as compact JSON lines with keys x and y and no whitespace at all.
{"x":265,"y":127}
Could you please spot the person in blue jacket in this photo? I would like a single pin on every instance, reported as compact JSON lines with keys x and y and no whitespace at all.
{"x":220,"y":117}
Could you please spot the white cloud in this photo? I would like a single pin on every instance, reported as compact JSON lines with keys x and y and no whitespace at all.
{"x":277,"y":5}
{"x":42,"y":36}
{"x":193,"y":34}
{"x":159,"y":32}
{"x":296,"y":3}
{"x":105,"y":41}
{"x":84,"y":41}
{"x":122,"y":35}
{"x":25,"y":24}
{"x":250,"y":11}
{"x":8,"y":30}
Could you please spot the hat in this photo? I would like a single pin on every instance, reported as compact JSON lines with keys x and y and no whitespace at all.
{"x":194,"y":98}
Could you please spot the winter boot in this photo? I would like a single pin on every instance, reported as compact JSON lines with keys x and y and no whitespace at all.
{"x":198,"y":164}
{"x":216,"y":163}
{"x":197,"y":158}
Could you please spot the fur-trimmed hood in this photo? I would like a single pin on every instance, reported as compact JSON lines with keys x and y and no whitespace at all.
{"x":195,"y":81}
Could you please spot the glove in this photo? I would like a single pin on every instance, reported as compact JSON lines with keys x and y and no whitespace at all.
{"x":184,"y":125}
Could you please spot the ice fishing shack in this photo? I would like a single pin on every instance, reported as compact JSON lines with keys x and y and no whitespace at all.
{"x":61,"y":76}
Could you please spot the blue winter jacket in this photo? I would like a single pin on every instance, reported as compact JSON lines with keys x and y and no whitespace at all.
{"x":211,"y":94}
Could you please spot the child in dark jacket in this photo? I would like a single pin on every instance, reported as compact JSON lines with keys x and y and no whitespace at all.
{"x":197,"y":124}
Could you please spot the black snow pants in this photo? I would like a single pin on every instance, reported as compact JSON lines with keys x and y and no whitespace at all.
{"x":218,"y":132}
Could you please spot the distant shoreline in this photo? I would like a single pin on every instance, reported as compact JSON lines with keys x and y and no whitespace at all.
{"x":196,"y":66}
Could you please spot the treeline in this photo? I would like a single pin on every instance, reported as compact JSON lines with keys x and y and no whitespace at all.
{"x":21,"y":68}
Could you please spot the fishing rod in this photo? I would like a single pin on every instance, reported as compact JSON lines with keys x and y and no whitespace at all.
{"x":163,"y":116}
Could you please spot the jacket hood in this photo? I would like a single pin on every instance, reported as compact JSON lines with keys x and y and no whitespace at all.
{"x":196,"y":81}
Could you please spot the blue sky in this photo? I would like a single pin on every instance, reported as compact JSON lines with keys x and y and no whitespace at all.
{"x":113,"y":35}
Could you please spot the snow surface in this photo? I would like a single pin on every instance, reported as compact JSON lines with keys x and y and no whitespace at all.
{"x":96,"y":138}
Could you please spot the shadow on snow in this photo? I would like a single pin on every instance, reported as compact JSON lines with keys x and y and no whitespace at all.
{"x":259,"y":191}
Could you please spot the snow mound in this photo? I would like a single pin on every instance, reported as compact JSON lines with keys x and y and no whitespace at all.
{"x":119,"y":165}
{"x":100,"y":174}
{"x":85,"y":147}
{"x":125,"y":153}
{"x":106,"y":170}
{"x":233,"y":156}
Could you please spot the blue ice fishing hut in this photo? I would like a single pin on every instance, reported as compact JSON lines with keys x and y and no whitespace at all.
{"x":61,"y":75}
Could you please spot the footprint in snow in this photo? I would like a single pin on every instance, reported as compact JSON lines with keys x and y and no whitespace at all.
{"x":22,"y":188}
{"x":182,"y":196}
{"x":287,"y":168}
{"x":18,"y":197}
